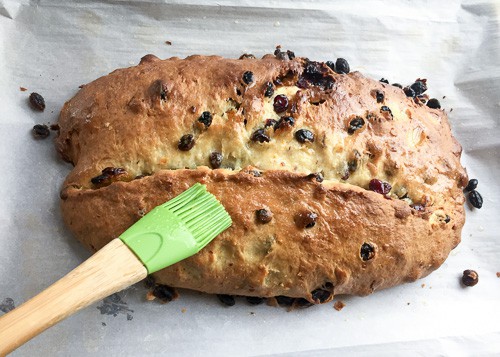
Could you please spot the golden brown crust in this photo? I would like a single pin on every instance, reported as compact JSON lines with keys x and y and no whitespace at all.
{"x":133,"y":119}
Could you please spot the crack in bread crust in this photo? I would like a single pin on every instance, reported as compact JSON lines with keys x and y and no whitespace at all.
{"x":123,"y":134}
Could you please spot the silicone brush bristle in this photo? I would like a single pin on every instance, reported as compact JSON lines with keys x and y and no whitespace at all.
{"x":201,"y":212}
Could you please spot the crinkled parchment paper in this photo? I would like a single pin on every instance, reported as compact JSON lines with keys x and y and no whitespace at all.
{"x":52,"y":47}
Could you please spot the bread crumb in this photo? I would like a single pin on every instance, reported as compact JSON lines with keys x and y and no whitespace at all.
{"x":277,"y":24}
{"x":498,"y":274}
{"x":339,"y":305}
{"x":22,"y":89}
{"x":183,"y":310}
{"x":168,"y":43}
{"x":423,"y":285}
{"x":150,"y":296}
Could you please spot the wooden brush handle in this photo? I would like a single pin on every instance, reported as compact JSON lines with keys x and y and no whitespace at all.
{"x":111,"y":269}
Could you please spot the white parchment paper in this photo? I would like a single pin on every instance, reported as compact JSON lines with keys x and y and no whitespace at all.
{"x":52,"y":47}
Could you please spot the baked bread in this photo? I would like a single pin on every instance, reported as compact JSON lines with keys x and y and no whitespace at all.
{"x":336,"y":183}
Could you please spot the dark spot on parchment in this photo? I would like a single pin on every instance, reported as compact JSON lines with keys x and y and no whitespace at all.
{"x":114,"y":305}
{"x":7,"y":305}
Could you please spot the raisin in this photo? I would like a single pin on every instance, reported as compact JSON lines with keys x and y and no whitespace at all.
{"x":380,"y":96}
{"x":215,"y":159}
{"x":269,"y":89}
{"x":306,"y":219}
{"x":263,"y":215}
{"x":321,"y":296}
{"x":164,"y":293}
{"x":383,"y":80}
{"x":470,"y":277}
{"x":342,"y":66}
{"x":331,"y":64}
{"x":107,"y":175}
{"x":302,"y":303}
{"x":186,"y":142}
{"x":397,"y":85}
{"x":248,"y":77}
{"x":41,"y":131}
{"x":285,"y":122}
{"x":367,"y":251}
{"x":409,"y":92}
{"x":475,"y":199}
{"x":226,"y":299}
{"x":247,"y":56}
{"x":37,"y":101}
{"x":254,"y":300}
{"x":281,"y":55}
{"x":434,"y":103}
{"x":419,"y":87}
{"x":280,"y":103}
{"x":206,"y":119}
{"x":355,"y":124}
{"x":163,"y":91}
{"x":291,"y":54}
{"x":317,"y":176}
{"x":270,"y":123}
{"x":284,"y":300}
{"x":304,"y":135}
{"x":380,"y":186}
{"x":260,"y":136}
{"x":471,"y":185}
{"x":447,"y":219}
{"x":385,"y":109}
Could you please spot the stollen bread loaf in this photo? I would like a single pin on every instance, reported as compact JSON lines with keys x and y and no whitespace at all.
{"x":336,"y":183}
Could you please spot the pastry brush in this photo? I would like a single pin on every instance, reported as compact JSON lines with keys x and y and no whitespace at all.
{"x":169,"y":233}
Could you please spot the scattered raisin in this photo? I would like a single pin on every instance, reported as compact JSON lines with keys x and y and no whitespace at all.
{"x":260,"y":136}
{"x":254,"y":300}
{"x":419,"y":87}
{"x":380,"y":96}
{"x":470,"y":277}
{"x":226,"y":299}
{"x":355,"y":124}
{"x":304,"y":135}
{"x":284,"y":300}
{"x":316,"y":74}
{"x":206,"y":119}
{"x":281,"y":55}
{"x":472,"y":185}
{"x":41,"y":131}
{"x":215,"y":159}
{"x":248,"y":77}
{"x":434,"y":103}
{"x":37,"y":101}
{"x":342,"y":66}
{"x":321,"y":296}
{"x":367,"y":251}
{"x":247,"y":56}
{"x":291,"y":54}
{"x":269,"y":90}
{"x":397,"y":85}
{"x":331,"y":64}
{"x":263,"y":215}
{"x":280,"y":103}
{"x":164,"y":293}
{"x":380,"y":186}
{"x":285,"y":122}
{"x":383,"y":80}
{"x":302,"y":303}
{"x":447,"y":219}
{"x":475,"y":199}
{"x":186,"y":142}
{"x":270,"y":123}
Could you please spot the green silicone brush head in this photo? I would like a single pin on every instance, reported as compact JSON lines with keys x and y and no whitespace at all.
{"x":177,"y":229}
